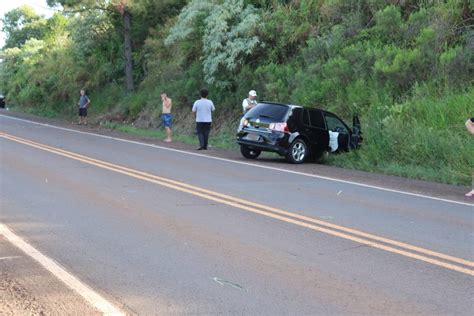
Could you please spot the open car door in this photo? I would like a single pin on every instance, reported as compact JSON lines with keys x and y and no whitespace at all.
{"x":356,"y":137}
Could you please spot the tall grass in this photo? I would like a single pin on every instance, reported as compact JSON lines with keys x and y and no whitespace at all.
{"x":103,"y":99}
{"x":421,"y":138}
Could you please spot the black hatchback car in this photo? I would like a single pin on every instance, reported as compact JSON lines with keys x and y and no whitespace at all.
{"x":294,"y":131}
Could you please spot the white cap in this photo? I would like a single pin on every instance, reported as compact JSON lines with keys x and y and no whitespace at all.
{"x":253,"y":93}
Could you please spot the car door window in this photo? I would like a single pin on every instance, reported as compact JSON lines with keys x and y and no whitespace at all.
{"x":335,"y":124}
{"x":306,"y":117}
{"x":316,"y":119}
{"x":294,"y":119}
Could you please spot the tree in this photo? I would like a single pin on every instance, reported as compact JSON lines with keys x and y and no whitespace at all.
{"x":124,"y":10}
{"x":228,"y":33}
{"x":22,"y":24}
{"x":115,"y":6}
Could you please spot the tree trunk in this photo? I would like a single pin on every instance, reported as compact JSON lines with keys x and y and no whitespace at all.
{"x":127,"y":17}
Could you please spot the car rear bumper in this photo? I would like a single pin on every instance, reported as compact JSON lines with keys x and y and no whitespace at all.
{"x":274,"y":142}
{"x":263,"y":147}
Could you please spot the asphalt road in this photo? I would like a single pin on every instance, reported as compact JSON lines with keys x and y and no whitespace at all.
{"x":159,"y":231}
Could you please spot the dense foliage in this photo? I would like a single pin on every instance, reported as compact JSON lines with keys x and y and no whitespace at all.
{"x":407,"y":67}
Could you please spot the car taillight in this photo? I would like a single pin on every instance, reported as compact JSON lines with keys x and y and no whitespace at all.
{"x":281,"y":127}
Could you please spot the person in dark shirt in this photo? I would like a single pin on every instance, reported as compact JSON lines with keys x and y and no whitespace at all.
{"x":83,"y":103}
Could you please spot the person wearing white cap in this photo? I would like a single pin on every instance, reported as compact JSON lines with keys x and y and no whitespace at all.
{"x":250,"y":102}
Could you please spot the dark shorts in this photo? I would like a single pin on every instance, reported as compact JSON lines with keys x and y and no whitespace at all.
{"x":166,"y":119}
{"x":82,"y":111}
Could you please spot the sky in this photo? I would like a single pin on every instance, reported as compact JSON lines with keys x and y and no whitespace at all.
{"x":39,"y":6}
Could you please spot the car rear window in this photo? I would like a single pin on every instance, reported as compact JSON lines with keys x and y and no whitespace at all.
{"x":276,"y":112}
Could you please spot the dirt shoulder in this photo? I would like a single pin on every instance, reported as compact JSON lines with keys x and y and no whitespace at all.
{"x":26,"y":288}
{"x":432,"y":189}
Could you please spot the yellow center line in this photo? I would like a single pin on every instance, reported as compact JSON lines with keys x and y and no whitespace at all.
{"x":300,"y":220}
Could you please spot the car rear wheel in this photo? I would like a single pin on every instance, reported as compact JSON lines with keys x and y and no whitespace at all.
{"x":297,"y":152}
{"x":249,"y":153}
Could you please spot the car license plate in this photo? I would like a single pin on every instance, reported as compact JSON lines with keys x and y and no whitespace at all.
{"x":253,"y":137}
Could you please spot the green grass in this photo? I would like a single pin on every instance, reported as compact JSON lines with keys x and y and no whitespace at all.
{"x":423,"y":138}
{"x":221,"y":140}
{"x":103,"y":99}
{"x":43,"y":111}
{"x":444,"y":175}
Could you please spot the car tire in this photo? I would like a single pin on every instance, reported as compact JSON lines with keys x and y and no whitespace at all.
{"x":298,"y":151}
{"x":249,"y":153}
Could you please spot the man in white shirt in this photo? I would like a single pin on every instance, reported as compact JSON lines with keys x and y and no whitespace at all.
{"x":203,"y":109}
{"x":250,"y":102}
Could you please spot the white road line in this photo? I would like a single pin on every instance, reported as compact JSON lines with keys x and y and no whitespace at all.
{"x":95,"y":299}
{"x":10,"y":257}
{"x":246,"y":163}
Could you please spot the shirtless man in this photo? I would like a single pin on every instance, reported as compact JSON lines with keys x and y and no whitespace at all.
{"x":166,"y":116}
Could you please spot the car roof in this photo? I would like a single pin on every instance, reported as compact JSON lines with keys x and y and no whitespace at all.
{"x":279,"y":103}
{"x":302,"y":107}
{"x":294,"y":106}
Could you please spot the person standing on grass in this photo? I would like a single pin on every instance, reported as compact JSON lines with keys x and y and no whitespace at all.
{"x":250,"y":101}
{"x":470,"y":127}
{"x":166,"y":116}
{"x":203,"y":109}
{"x":83,"y":103}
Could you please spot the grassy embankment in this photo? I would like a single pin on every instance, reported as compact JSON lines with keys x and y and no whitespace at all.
{"x":422,"y":138}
